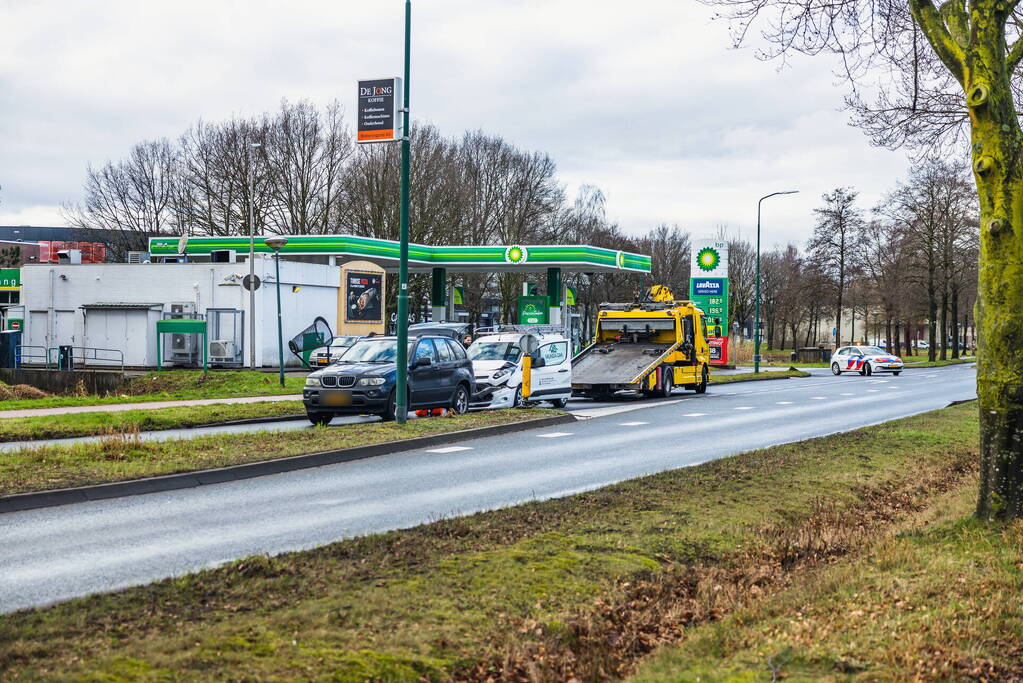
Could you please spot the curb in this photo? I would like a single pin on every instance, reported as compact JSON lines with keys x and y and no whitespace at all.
{"x":171,"y":482}
{"x":960,"y":402}
{"x":757,"y":379}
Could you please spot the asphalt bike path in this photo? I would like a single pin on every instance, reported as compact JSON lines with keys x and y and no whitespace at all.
{"x":57,"y":553}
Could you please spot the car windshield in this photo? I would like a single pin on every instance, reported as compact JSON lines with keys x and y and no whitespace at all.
{"x":374,"y":351}
{"x":507,"y":351}
{"x":873,"y":350}
{"x":342,"y":342}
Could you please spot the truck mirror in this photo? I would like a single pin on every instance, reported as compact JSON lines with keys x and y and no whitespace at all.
{"x":538,"y":362}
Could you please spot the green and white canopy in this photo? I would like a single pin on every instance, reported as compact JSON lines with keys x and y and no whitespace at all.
{"x":422,"y":258}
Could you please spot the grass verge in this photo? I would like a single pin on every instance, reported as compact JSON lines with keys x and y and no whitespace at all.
{"x":580,"y":587}
{"x":750,"y":376}
{"x":124,"y":456}
{"x":174,"y":385}
{"x":93,"y":424}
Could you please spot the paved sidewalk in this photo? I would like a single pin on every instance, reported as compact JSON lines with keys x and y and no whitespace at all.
{"x":148,"y":405}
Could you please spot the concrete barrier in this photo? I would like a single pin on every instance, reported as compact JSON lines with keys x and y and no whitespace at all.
{"x":100,"y":383}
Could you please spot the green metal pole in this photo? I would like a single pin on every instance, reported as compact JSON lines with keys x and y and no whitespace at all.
{"x":401,"y":384}
{"x":280,"y":327}
{"x":756,"y":314}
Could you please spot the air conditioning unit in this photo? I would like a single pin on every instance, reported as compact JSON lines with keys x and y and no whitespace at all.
{"x":182,"y":344}
{"x":70,"y":256}
{"x":223,"y":351}
{"x":183,"y":309}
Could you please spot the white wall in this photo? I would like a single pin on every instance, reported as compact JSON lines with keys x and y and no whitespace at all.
{"x":54,"y":315}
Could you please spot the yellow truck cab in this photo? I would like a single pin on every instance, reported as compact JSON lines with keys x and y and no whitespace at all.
{"x":649,"y":346}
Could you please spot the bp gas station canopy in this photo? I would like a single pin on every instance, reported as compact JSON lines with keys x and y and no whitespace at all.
{"x":421,"y":258}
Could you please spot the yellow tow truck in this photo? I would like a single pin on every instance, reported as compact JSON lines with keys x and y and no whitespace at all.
{"x":647,"y":347}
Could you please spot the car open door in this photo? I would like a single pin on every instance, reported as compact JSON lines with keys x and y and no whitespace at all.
{"x":553,"y":379}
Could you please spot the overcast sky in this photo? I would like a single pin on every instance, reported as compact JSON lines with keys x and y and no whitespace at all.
{"x":644,"y":99}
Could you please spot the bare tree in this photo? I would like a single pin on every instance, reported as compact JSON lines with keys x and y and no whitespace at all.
{"x":833,"y":244}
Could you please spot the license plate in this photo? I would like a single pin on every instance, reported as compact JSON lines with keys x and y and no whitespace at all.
{"x":321,"y":361}
{"x":336,"y":398}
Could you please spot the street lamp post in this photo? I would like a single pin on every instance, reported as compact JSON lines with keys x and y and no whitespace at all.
{"x":756,"y":315}
{"x":277,"y":243}
{"x":401,"y":380}
{"x":252,"y":257}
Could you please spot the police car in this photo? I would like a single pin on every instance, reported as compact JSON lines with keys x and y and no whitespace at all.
{"x":865,"y":360}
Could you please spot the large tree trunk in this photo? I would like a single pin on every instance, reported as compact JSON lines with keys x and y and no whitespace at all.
{"x":898,"y":342}
{"x":996,"y":136}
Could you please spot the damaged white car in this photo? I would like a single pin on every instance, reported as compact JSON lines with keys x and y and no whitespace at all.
{"x":497,"y":361}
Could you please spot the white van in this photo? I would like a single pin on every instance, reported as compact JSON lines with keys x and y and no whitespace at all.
{"x":497,"y":363}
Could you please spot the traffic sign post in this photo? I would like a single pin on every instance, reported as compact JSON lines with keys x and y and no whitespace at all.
{"x":379,"y":119}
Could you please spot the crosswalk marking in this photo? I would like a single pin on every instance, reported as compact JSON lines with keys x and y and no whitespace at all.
{"x":449,"y":449}
{"x":694,"y":414}
{"x":784,"y":403}
{"x":553,"y":435}
{"x":633,"y":424}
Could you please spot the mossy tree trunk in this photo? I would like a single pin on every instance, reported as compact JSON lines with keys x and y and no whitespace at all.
{"x":973,"y":47}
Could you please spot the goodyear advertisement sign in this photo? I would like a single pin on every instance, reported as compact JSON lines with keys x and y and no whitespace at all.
{"x":10,"y":279}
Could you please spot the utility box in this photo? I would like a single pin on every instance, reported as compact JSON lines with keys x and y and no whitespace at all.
{"x":9,"y":342}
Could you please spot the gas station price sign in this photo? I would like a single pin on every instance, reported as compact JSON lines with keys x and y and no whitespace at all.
{"x":378,"y":116}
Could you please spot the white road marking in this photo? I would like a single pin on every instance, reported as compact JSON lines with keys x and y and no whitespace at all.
{"x":553,"y":435}
{"x":783,"y":403}
{"x":744,"y":408}
{"x":819,"y":398}
{"x":848,"y":394}
{"x":633,"y":424}
{"x":614,"y":410}
{"x":449,"y":449}
{"x":694,"y":414}
{"x":873,"y":391}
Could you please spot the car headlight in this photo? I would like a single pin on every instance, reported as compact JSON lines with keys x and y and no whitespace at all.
{"x":371,"y":381}
{"x":312,"y":381}
{"x":502,"y":372}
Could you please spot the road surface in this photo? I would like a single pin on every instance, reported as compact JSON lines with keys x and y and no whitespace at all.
{"x":58,"y":553}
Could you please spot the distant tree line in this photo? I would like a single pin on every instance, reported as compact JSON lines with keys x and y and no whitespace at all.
{"x":908,"y":264}
{"x":300,"y":173}
{"x":910,"y":261}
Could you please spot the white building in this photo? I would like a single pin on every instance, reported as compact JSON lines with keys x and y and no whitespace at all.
{"x":116,"y":306}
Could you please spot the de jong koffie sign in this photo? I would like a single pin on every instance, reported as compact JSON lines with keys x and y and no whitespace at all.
{"x":378,"y":118}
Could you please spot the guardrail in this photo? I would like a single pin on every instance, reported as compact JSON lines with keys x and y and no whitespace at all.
{"x":26,"y":353}
{"x":82,"y":356}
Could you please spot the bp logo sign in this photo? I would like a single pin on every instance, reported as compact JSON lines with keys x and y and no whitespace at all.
{"x":516,"y":254}
{"x":708,"y":259}
{"x":620,"y":259}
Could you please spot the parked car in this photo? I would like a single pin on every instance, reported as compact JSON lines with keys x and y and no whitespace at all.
{"x":333,"y":352}
{"x":498,"y":360}
{"x":865,"y":360}
{"x":440,"y":376}
{"x":461,"y":332}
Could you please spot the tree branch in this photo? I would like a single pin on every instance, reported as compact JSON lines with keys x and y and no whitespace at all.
{"x":1014,"y":56}
{"x":946,"y":47}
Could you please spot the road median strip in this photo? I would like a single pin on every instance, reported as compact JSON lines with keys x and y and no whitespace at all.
{"x":38,"y":495}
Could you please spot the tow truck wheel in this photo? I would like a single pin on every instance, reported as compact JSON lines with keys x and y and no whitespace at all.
{"x":666,"y":386}
{"x":701,"y":388}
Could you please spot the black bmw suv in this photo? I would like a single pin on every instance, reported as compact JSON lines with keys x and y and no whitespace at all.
{"x":440,"y":376}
